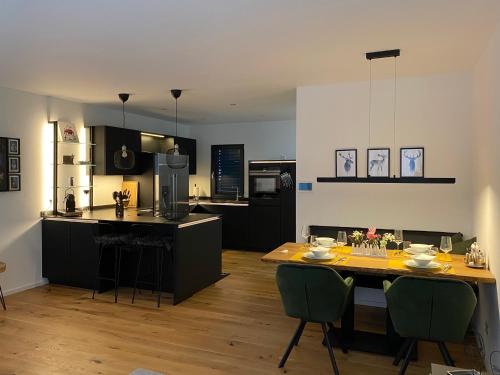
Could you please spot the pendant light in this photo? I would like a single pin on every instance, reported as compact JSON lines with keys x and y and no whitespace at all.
{"x":174,"y":158}
{"x":124,"y":158}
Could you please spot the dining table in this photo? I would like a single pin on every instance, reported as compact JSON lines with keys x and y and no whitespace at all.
{"x":389,"y":266}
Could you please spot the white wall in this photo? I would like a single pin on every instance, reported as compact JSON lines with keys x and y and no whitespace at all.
{"x":262,"y":140}
{"x":25,"y":116}
{"x":433,"y":112}
{"x":487,"y":190}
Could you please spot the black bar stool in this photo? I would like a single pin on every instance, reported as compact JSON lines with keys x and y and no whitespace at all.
{"x":146,"y":238}
{"x":109,"y":239}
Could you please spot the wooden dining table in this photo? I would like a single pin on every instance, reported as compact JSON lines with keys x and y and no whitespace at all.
{"x":390,"y":266}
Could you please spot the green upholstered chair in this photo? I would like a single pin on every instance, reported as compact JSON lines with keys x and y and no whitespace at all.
{"x":430,"y":309}
{"x":314,"y":294}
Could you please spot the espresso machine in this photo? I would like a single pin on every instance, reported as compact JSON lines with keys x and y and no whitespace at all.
{"x":171,"y":188}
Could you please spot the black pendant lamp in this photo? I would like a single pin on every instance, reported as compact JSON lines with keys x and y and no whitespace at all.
{"x":124,"y":158}
{"x":174,"y":158}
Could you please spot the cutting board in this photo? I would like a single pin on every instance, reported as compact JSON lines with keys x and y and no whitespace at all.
{"x":133,"y":188}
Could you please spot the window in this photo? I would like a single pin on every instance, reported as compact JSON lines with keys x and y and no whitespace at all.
{"x":227,"y":171}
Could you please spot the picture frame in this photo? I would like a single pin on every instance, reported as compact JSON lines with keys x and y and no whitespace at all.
{"x":68,"y":132}
{"x":346,"y":163}
{"x":411,"y":162}
{"x":14,"y":182}
{"x":13,"y":146}
{"x":14,"y":164}
{"x":378,"y":162}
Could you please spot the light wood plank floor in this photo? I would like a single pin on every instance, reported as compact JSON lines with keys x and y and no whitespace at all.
{"x":234,"y":327}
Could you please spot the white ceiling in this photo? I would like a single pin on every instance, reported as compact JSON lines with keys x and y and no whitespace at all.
{"x":249,"y":52}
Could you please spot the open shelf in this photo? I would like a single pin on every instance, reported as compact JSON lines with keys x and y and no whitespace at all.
{"x":75,"y":143}
{"x":388,"y":180}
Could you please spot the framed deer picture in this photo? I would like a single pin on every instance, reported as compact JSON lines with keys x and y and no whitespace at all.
{"x":378,"y":162}
{"x":346,"y":162}
{"x":412,"y":162}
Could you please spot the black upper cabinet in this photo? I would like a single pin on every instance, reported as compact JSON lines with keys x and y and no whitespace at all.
{"x":108,"y":140}
{"x":187,"y":146}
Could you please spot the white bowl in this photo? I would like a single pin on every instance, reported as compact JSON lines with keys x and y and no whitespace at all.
{"x":420,"y":247}
{"x":423,"y":260}
{"x":325,"y":241}
{"x":320,"y":251}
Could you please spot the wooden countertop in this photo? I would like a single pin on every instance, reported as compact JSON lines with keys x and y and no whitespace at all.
{"x":392,"y":265}
{"x":133,"y":215}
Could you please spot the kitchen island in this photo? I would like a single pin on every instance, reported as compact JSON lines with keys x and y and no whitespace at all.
{"x":70,"y":255}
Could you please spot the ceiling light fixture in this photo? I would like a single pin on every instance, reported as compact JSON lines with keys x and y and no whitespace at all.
{"x":124,"y":158}
{"x":175,"y":160}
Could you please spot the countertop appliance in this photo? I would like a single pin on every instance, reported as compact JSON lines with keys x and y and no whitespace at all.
{"x":272,"y":203}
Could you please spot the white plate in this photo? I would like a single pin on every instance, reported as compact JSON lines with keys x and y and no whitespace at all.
{"x":411,"y":252}
{"x":310,"y":255}
{"x":432,"y":265}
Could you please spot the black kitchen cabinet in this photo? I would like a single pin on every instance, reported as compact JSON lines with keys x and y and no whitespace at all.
{"x":69,"y":253}
{"x":187,"y":146}
{"x":234,"y":224}
{"x":108,"y":140}
{"x":265,"y":227}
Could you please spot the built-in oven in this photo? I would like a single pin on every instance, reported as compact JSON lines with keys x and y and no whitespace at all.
{"x":264,"y":182}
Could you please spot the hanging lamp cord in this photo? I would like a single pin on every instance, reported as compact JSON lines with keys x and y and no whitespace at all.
{"x":123,"y":112}
{"x":394,"y":118}
{"x":176,"y":117}
{"x":370,"y":109}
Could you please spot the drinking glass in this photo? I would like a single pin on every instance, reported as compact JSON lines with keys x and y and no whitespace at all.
{"x":341,"y":238}
{"x":398,"y":237}
{"x":305,"y":233}
{"x":446,"y":246}
{"x":312,"y":240}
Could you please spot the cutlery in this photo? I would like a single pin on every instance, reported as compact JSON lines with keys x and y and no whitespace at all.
{"x":446,"y":268}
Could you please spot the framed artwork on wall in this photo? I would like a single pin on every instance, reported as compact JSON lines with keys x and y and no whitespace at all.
{"x":378,"y":162}
{"x":412,"y":162}
{"x":14,"y":146}
{"x":14,"y":164}
{"x":14,"y":182}
{"x":68,"y":132}
{"x":346,"y":163}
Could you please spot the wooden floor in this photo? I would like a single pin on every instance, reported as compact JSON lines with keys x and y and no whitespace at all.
{"x":234,"y":327}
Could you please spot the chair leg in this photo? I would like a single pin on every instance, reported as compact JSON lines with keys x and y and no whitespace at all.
{"x":137,"y":272}
{"x":401,"y":352}
{"x":2,"y":299}
{"x":98,"y":270}
{"x":118,"y":261}
{"x":406,"y":361}
{"x":159,"y":259}
{"x":299,"y":333}
{"x":294,"y":339}
{"x":330,"y":349}
{"x":446,"y":354}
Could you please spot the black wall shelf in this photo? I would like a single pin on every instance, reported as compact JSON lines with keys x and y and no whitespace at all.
{"x":389,"y":180}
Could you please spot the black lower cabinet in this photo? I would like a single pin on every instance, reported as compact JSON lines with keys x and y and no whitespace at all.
{"x":69,"y":253}
{"x":265,"y":228}
{"x":234,"y":224}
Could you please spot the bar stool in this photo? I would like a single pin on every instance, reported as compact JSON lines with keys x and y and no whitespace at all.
{"x":109,"y":240}
{"x":3,"y":267}
{"x":146,"y":238}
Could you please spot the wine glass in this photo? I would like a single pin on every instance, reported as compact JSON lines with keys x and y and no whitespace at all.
{"x":341,"y":238}
{"x":398,"y":237}
{"x":305,"y":233}
{"x":446,"y":246}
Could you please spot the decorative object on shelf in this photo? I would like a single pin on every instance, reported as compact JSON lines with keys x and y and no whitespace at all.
{"x":14,"y":182}
{"x":346,"y":163}
{"x":124,"y":158}
{"x":378,"y":162}
{"x":68,"y":132}
{"x":131,"y":190}
{"x":69,"y":199}
{"x":412,"y":162}
{"x":68,"y":159}
{"x":14,"y":164}
{"x":14,"y":146}
{"x":475,"y":258}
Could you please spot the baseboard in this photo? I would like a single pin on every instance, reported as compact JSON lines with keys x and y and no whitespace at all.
{"x":25,"y":287}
